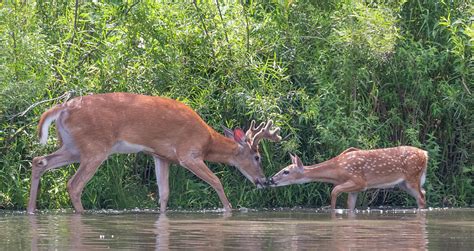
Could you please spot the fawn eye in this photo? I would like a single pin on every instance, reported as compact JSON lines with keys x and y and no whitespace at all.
{"x":257,"y":158}
{"x":286,"y":172}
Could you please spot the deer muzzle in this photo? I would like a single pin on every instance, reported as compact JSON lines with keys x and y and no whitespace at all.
{"x":270,"y":182}
{"x":261,"y":183}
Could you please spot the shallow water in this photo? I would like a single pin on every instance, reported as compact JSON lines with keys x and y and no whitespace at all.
{"x":435,"y":229}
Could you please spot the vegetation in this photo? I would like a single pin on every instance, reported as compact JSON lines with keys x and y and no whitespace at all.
{"x":331,"y":74}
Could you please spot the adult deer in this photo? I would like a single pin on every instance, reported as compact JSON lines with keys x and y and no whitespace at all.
{"x":356,"y":170}
{"x":90,"y":128}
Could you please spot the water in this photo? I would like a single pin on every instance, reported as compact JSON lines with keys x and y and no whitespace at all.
{"x":436,"y":229}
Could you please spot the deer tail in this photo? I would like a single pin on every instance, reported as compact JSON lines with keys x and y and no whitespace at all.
{"x":45,"y":121}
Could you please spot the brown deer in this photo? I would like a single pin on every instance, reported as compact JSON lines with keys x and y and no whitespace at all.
{"x":90,"y":128}
{"x":356,"y":170}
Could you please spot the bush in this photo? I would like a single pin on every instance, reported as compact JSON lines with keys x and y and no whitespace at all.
{"x":331,"y":75}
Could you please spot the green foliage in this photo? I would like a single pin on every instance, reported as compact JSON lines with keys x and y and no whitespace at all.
{"x":331,"y":74}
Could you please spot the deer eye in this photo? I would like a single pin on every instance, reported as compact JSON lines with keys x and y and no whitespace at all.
{"x":257,"y":158}
{"x":286,"y":172}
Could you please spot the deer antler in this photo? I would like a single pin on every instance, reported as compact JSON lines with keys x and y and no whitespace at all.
{"x":253,"y":130}
{"x":255,"y":134}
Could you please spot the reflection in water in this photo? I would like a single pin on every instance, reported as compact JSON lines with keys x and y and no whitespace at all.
{"x":292,"y":232}
{"x":162,"y":231}
{"x":361,"y":233}
{"x":280,"y":230}
{"x":59,"y":232}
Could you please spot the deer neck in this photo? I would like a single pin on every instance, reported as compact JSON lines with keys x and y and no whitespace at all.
{"x":222,"y":149}
{"x":323,"y":172}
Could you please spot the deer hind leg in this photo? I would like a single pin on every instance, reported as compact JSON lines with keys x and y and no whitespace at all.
{"x":422,"y":182}
{"x":351,"y":200}
{"x":76,"y":184}
{"x":199,"y":168}
{"x":162,"y":179}
{"x":415,"y":190}
{"x":63,"y":156}
{"x":349,"y":186}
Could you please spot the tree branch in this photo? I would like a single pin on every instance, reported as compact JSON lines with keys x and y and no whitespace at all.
{"x":204,"y":27}
{"x":247,"y":29}
{"x":66,"y":97}
{"x":223,"y":26}
{"x":75,"y":28}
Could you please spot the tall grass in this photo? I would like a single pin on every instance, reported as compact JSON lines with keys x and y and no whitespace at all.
{"x":332,"y":75}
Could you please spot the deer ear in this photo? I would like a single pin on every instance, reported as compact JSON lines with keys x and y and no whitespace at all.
{"x":299,"y":164}
{"x":292,"y":158}
{"x":228,"y":132}
{"x":239,"y":136}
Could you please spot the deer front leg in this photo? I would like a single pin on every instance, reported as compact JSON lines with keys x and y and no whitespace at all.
{"x":199,"y":168}
{"x":40,"y":165}
{"x":162,"y":179}
{"x":349,"y":186}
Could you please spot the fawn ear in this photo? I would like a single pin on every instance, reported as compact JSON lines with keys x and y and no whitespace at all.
{"x":298,"y":163}
{"x":239,"y":136}
{"x":292,"y":159}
